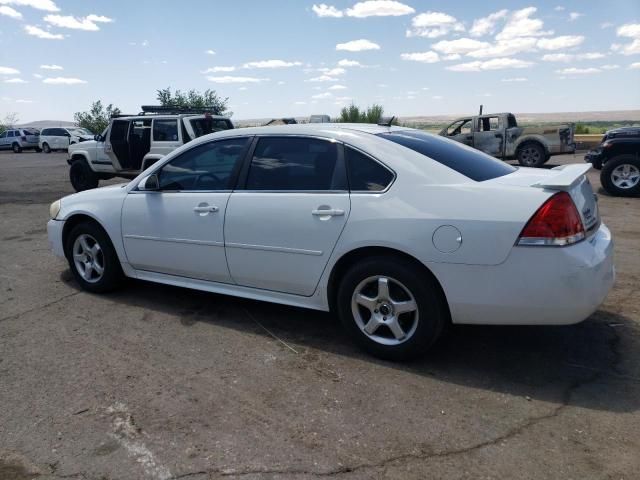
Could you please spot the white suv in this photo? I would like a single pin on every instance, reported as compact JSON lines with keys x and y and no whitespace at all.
{"x":60,"y":138}
{"x":20,"y":139}
{"x":132,"y":143}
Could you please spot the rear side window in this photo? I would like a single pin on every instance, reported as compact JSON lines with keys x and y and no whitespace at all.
{"x":294,"y":163}
{"x":471,"y":163}
{"x":365,"y":174}
{"x":206,"y":125}
{"x":165,"y":130}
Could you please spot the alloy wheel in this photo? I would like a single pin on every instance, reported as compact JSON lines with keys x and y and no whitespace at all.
{"x":385,"y":310}
{"x":88,"y":258}
{"x":625,"y":176}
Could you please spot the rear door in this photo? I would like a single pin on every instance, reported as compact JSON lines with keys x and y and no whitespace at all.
{"x":117,"y":146}
{"x":282,"y":226}
{"x":488,"y":137}
{"x":165,"y":135}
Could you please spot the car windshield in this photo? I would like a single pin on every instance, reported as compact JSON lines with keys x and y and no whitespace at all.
{"x":80,"y":131}
{"x":471,"y":163}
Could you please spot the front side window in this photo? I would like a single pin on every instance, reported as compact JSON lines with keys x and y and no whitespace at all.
{"x":295,"y":163}
{"x":10,"y":134}
{"x":460,"y":127}
{"x":165,"y":130}
{"x":210,"y":166}
{"x":365,"y":174}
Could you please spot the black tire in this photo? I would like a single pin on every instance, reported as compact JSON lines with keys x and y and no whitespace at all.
{"x":16,"y":148}
{"x":431,"y":315}
{"x":612,"y":176}
{"x":46,"y":148}
{"x":82,"y":177}
{"x":112,"y":276}
{"x":531,"y":154}
{"x":37,"y":149}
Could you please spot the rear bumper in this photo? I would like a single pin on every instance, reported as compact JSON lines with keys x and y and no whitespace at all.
{"x":54,"y":233}
{"x":534,"y":286}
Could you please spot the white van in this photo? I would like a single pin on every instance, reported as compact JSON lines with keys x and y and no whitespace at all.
{"x":60,"y":138}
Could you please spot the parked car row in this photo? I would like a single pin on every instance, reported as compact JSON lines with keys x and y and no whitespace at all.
{"x":45,"y":140}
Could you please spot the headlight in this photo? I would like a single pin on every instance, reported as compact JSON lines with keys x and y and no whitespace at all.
{"x":54,"y":209}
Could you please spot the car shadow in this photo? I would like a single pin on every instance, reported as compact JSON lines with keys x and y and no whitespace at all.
{"x":547,"y":363}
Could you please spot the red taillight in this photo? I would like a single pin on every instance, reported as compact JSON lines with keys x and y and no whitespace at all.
{"x":557,"y":222}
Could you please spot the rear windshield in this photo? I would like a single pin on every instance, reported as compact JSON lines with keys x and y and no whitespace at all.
{"x":28,"y":131}
{"x":471,"y":163}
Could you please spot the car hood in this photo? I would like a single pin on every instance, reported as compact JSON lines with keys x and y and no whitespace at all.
{"x":84,"y":145}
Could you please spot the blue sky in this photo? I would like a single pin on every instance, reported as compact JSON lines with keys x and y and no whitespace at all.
{"x":284,"y":58}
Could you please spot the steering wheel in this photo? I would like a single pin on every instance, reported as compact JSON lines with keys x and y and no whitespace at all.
{"x":205,"y":178}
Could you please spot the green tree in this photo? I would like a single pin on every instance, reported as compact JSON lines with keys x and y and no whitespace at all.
{"x":9,"y":121}
{"x":208,"y":99}
{"x":355,"y":114}
{"x":97,"y":118}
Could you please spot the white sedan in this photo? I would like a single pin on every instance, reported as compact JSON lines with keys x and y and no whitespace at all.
{"x":396,"y":230}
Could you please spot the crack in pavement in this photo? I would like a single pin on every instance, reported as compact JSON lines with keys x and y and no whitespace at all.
{"x":40,"y":307}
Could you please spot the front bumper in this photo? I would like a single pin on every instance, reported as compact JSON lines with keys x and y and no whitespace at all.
{"x":594,"y":157}
{"x":534,"y":286}
{"x":54,"y":232}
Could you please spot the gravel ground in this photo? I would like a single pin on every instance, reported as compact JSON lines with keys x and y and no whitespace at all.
{"x":157,"y":382}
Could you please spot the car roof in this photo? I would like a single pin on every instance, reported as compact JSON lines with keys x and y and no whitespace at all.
{"x":323,"y":129}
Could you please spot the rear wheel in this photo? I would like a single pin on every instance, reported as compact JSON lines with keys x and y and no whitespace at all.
{"x":620,"y":176}
{"x":46,"y":148}
{"x":82,"y":177}
{"x":391,"y":308}
{"x":531,"y":155}
{"x":92,"y":258}
{"x":16,"y":148}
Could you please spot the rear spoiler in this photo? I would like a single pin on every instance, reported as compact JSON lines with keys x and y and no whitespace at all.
{"x":568,"y":175}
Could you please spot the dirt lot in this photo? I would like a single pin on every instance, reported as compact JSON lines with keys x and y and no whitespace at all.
{"x":156,"y":382}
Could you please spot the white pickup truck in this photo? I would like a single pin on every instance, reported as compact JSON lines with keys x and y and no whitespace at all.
{"x":499,"y":135}
{"x":132,"y":143}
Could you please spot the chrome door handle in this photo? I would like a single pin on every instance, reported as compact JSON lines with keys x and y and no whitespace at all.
{"x":205,"y":209}
{"x":331,"y":212}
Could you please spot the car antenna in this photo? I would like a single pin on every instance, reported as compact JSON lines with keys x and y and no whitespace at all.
{"x":480,"y":114}
{"x":386,"y":121}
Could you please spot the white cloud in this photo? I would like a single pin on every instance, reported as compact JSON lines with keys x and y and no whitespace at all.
{"x":570,"y":57}
{"x":578,"y":71}
{"x":63,"y":81}
{"x":219,"y":69}
{"x":423,"y":57}
{"x":493,"y":64}
{"x":486,"y":25}
{"x":506,"y":48}
{"x":337,"y":87}
{"x":630,"y":30}
{"x":324,"y":10}
{"x":51,"y":67}
{"x":242,"y":89}
{"x":40,"y":33}
{"x":559,"y":8}
{"x":452,"y":56}
{"x":299,"y":103}
{"x":15,"y":80}
{"x":10,"y":12}
{"x":210,"y":52}
{"x":634,"y":66}
{"x":9,"y":71}
{"x":606,"y":25}
{"x":349,"y":63}
{"x":322,"y":78}
{"x":281,"y":82}
{"x":609,"y":66}
{"x":459,"y":46}
{"x":321,"y":96}
{"x":520,"y":24}
{"x":21,"y":100}
{"x":434,"y":25}
{"x":271,"y":64}
{"x":563,"y":41}
{"x":332,"y":72}
{"x":573,"y":16}
{"x":88,"y":23}
{"x":437,"y":97}
{"x":358,"y":45}
{"x":379,"y":8}
{"x":46,"y":5}
{"x":515,"y":79}
{"x":37,"y":75}
{"x":230,"y":79}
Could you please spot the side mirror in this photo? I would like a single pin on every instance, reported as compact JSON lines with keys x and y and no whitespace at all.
{"x":149,"y":183}
{"x":98,"y":138}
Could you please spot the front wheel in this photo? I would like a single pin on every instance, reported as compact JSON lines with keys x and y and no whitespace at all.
{"x":391,"y":308}
{"x":16,"y":148}
{"x":620,"y":176}
{"x":82,"y":177}
{"x":531,"y":155}
{"x":92,"y":258}
{"x":46,"y":148}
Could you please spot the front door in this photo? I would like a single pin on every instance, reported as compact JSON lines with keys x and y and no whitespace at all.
{"x":489,"y":136}
{"x":461,"y":131}
{"x":281,"y":228}
{"x":178,"y":229}
{"x":3,"y":139}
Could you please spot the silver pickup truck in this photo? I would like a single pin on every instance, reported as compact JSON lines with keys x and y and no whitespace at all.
{"x":498,"y":134}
